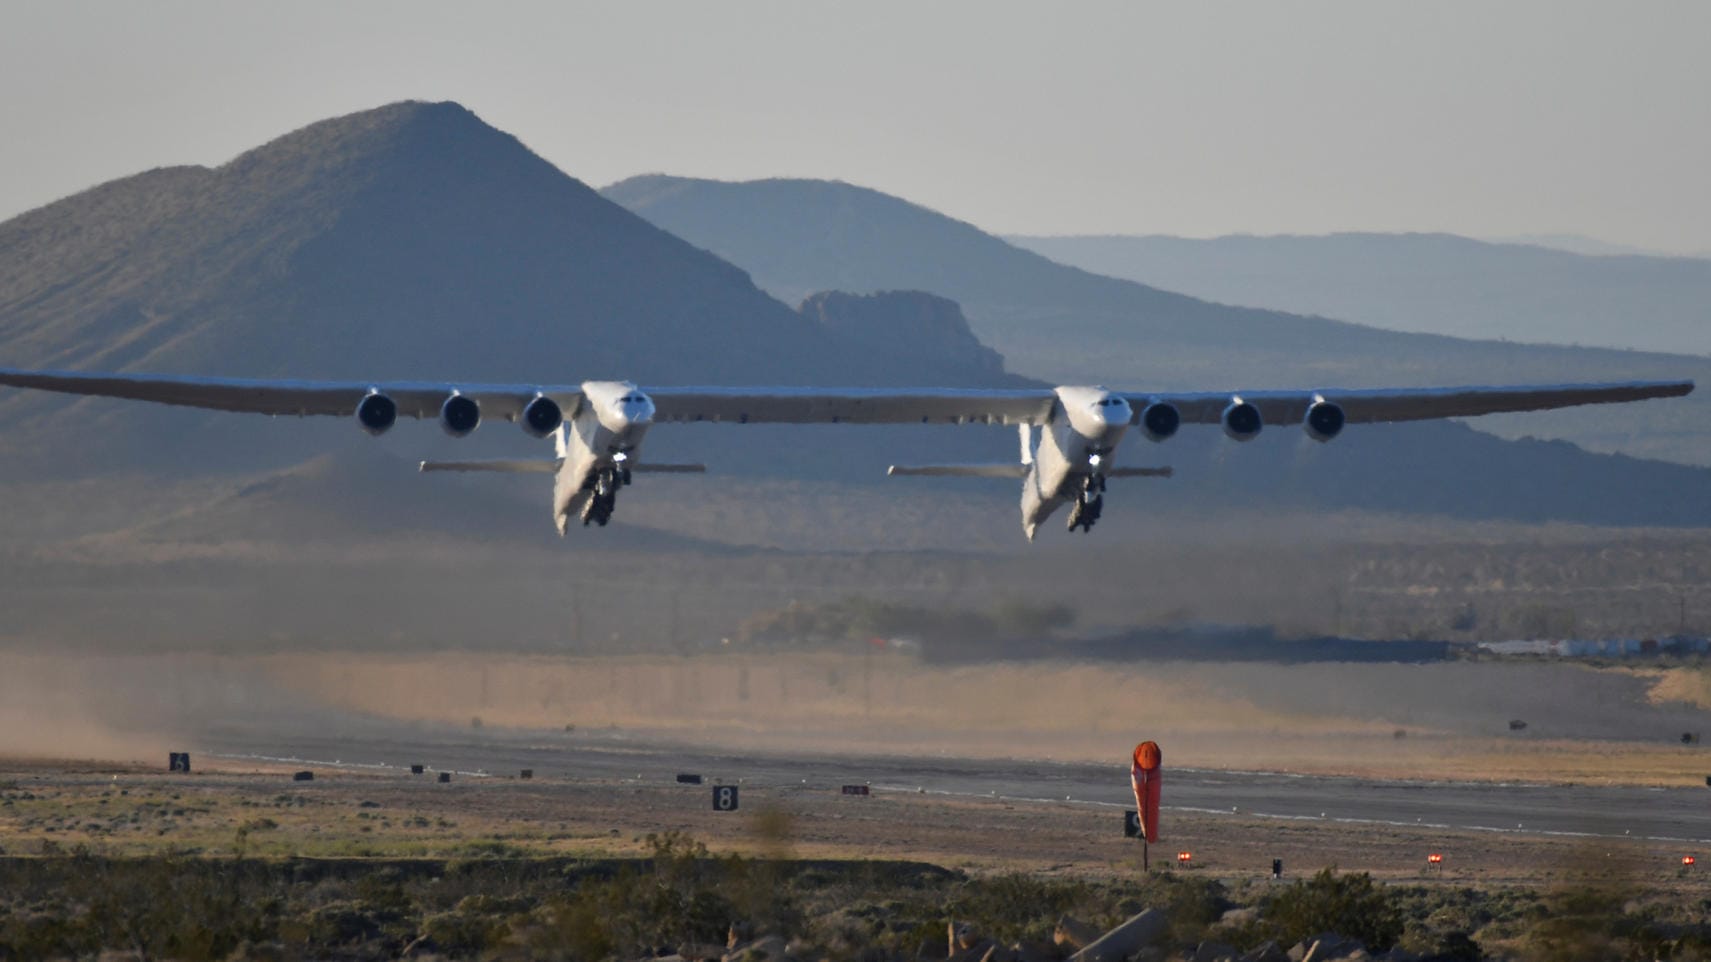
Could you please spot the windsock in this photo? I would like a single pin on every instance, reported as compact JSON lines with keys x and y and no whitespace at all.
{"x":1145,"y":777}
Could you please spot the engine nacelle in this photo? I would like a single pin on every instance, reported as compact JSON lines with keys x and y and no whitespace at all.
{"x":1242,"y":421}
{"x":1324,"y":421}
{"x":542,"y":416}
{"x":460,"y":415}
{"x":1159,"y":421}
{"x":376,"y":413}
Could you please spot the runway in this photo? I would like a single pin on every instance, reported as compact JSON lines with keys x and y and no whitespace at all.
{"x":1656,"y":814}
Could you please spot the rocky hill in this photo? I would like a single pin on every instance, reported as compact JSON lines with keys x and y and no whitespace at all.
{"x":410,"y":241}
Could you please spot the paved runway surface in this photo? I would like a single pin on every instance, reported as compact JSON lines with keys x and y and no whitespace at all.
{"x":1660,"y":814}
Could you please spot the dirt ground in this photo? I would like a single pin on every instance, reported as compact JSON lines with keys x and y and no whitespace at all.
{"x":51,"y":807}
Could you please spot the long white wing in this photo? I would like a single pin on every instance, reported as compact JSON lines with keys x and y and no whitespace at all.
{"x":415,"y":399}
{"x":809,"y":405}
{"x":1410,"y":404}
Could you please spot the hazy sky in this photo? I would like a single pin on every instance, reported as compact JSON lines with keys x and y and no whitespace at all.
{"x":1199,"y":118}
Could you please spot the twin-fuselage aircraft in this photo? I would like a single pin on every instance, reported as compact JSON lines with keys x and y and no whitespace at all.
{"x":1069,"y":435}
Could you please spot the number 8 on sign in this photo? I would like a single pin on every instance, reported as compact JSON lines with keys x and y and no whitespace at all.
{"x":724,"y":798}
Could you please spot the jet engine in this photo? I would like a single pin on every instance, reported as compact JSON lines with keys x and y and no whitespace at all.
{"x":376,"y":413}
{"x":460,"y":415}
{"x":1324,"y":421}
{"x":1242,"y":421}
{"x":542,"y":416}
{"x":1159,"y":421}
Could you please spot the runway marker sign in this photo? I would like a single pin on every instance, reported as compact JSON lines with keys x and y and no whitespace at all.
{"x":856,"y":790}
{"x":178,"y":762}
{"x":724,"y":798}
{"x":1131,"y":824}
{"x":684,"y":778}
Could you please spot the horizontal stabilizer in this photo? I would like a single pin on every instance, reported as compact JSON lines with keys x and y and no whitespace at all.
{"x":646,"y":467}
{"x":1139,"y":473}
{"x":961,"y":470}
{"x":528,"y":466}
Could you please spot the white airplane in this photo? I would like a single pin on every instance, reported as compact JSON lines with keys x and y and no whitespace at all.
{"x":598,"y":426}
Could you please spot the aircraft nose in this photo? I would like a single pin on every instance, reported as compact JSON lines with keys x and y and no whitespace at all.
{"x":634,"y":409}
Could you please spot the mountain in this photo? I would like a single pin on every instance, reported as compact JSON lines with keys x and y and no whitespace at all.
{"x":1068,"y":325}
{"x":410,"y":241}
{"x":415,"y":241}
{"x":1436,"y":283}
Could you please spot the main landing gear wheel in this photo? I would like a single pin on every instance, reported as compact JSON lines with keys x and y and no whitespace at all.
{"x":1088,"y":504}
{"x":604,"y":497}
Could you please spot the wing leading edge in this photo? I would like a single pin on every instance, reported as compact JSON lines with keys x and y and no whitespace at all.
{"x":810,"y":405}
{"x":1410,"y":404}
{"x":415,"y":399}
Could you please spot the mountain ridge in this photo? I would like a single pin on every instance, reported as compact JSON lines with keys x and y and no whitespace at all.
{"x":1425,"y":281}
{"x":1066,"y":325}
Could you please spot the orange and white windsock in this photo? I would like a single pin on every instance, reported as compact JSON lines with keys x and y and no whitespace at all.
{"x":1145,"y":777}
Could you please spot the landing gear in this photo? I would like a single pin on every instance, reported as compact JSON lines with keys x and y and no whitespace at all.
{"x":603,"y":495}
{"x":1089,"y":502}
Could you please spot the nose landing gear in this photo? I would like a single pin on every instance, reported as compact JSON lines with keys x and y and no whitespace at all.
{"x":1089,"y":502}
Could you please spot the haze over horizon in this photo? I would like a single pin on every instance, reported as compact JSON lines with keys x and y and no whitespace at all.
{"x":1531,"y":118}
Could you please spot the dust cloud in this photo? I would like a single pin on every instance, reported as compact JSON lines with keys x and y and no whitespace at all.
{"x":57,"y":707}
{"x":1447,"y":720}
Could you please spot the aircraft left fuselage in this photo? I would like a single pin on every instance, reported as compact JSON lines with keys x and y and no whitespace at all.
{"x":597,"y":449}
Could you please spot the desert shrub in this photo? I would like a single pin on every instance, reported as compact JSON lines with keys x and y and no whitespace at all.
{"x":1015,"y":906}
{"x":1350,"y":905}
{"x":1193,"y":903}
{"x":465,"y":934}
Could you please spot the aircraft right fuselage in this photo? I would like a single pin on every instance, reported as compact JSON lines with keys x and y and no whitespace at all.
{"x":1074,"y":456}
